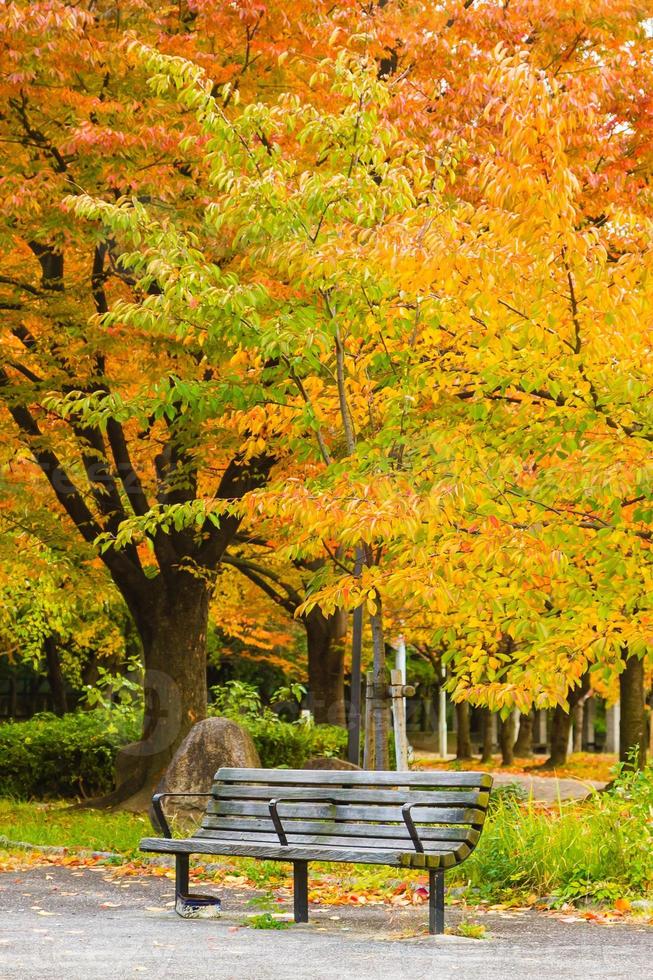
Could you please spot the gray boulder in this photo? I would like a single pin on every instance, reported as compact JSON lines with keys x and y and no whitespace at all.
{"x":210,"y":744}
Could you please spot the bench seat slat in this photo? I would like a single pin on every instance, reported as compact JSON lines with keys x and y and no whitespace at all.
{"x":233,"y":826}
{"x":347,"y":812}
{"x":346,"y":778}
{"x":243,"y":791}
{"x":293,"y":852}
{"x":326,"y":840}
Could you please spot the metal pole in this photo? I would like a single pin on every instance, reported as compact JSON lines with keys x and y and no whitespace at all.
{"x":399,"y":707}
{"x":400,"y":658}
{"x":399,"y":716}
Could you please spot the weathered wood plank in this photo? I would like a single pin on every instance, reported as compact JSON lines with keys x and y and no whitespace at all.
{"x":306,"y":777}
{"x":441,"y":861}
{"x":350,"y":812}
{"x":244,"y":791}
{"x":260,"y":829}
{"x":291,"y":852}
{"x":326,"y":840}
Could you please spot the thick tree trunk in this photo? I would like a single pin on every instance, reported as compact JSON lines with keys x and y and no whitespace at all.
{"x":173,"y":630}
{"x":507,"y":740}
{"x":560,"y":724}
{"x":325,"y":640}
{"x":632,"y":731}
{"x":463,"y":737}
{"x":523,"y":747}
{"x":55,"y":675}
{"x":487,"y":735}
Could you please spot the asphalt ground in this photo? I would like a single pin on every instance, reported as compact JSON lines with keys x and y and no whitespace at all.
{"x":81,"y":923}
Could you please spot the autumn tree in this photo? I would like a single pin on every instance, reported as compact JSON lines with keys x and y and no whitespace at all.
{"x":448,"y":286}
{"x":58,"y":612}
{"x":104,"y":469}
{"x":106,"y":133}
{"x":545,"y":311}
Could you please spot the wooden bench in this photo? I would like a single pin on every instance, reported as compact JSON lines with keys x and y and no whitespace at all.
{"x":429,"y":820}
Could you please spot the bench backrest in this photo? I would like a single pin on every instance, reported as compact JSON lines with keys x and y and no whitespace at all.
{"x":347,"y":807}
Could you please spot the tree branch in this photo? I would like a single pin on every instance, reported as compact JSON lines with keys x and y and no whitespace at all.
{"x":257,"y":574}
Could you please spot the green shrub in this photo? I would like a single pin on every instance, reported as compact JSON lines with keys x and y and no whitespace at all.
{"x":596,"y":850}
{"x":507,"y":793}
{"x":49,"y":757}
{"x":278,"y":743}
{"x":282,"y":743}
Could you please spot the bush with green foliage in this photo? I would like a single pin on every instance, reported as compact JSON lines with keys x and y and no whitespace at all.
{"x":278,"y":743}
{"x":594,"y":851}
{"x":48,"y":757}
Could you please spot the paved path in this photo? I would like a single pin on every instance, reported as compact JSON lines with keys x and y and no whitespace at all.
{"x":62,"y":923}
{"x":549,"y":789}
{"x":545,"y":789}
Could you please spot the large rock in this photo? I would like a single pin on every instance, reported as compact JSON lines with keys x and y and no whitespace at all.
{"x":324,"y":763}
{"x":210,"y":744}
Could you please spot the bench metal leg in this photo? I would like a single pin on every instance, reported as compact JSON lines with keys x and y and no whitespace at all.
{"x":300,"y":890}
{"x":181,"y":875}
{"x":187,"y":905}
{"x":436,"y":902}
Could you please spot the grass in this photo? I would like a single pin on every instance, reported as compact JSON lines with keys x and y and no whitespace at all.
{"x":471,"y":930}
{"x":574,"y":852}
{"x":598,"y":851}
{"x":56,"y":824}
{"x":267,"y":921}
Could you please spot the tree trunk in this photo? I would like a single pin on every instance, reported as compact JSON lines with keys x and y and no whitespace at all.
{"x":507,"y":740}
{"x":560,"y":724}
{"x":487,"y":734}
{"x":632,"y":731}
{"x":463,"y":737}
{"x":577,"y":715}
{"x":325,"y":640}
{"x":55,"y":675}
{"x":523,"y":747}
{"x":173,"y":629}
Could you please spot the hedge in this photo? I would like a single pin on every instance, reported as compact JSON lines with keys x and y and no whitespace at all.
{"x":49,"y":757}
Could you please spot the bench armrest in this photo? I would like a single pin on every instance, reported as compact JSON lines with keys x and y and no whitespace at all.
{"x":158,"y":809}
{"x":276,"y":819}
{"x":410,"y":823}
